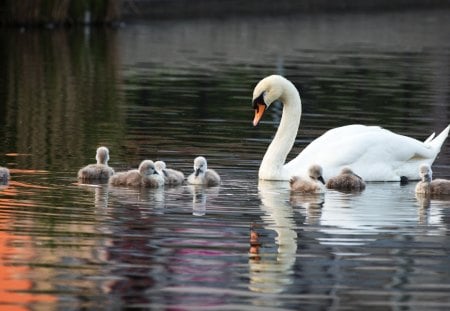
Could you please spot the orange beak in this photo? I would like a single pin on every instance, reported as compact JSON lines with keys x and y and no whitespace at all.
{"x":259,"y":111}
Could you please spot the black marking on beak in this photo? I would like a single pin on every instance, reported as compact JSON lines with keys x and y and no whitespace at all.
{"x":259,"y":101}
{"x":197,"y":172}
{"x":321,"y":180}
{"x":165,"y":173}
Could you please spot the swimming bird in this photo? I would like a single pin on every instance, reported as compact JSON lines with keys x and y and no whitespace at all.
{"x":4,"y":174}
{"x":145,"y":176}
{"x":375,"y":153}
{"x":312,"y":183}
{"x":346,"y":181}
{"x":171,"y":176}
{"x":99,"y":171}
{"x":429,"y":186}
{"x":202,"y":175}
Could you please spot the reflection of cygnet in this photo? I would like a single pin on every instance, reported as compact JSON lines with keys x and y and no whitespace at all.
{"x":145,"y":176}
{"x":314,"y":183}
{"x":202,"y":175}
{"x":171,"y":176}
{"x":346,"y":181}
{"x":4,"y":174}
{"x":429,"y":186}
{"x":198,"y":202}
{"x":99,"y":171}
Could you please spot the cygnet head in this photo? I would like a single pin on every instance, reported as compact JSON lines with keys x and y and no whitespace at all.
{"x":160,"y":165}
{"x":425,"y":172}
{"x":347,"y":170}
{"x":315,"y":173}
{"x":267,"y":91}
{"x":102,"y":155}
{"x":200,"y":166}
{"x":147,"y":168}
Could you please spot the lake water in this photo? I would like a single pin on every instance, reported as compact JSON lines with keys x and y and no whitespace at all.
{"x":172,"y":90}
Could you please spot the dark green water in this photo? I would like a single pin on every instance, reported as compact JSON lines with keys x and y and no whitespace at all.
{"x":177,"y":89}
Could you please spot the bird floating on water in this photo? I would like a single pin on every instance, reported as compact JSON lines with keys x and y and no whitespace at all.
{"x":100,"y":170}
{"x":202,"y":175}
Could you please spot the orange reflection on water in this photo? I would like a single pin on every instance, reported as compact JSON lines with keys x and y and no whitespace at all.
{"x":15,"y":252}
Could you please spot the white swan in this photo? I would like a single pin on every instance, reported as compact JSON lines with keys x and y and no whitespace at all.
{"x":99,"y":171}
{"x":375,"y":153}
{"x":429,"y":186}
{"x":314,"y":183}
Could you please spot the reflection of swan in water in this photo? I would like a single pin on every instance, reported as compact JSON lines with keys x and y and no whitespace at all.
{"x":431,"y":209}
{"x":272,"y":274}
{"x":200,"y":196}
{"x":312,"y":203}
{"x":424,"y":207}
{"x":101,"y":196}
{"x":147,"y":200}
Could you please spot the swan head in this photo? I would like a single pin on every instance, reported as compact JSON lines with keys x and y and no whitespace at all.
{"x":315,"y":173}
{"x":102,"y":155}
{"x":348,"y":171}
{"x":147,"y":168}
{"x":200,"y":166}
{"x":425,"y":172}
{"x":161,"y":167}
{"x":267,"y":91}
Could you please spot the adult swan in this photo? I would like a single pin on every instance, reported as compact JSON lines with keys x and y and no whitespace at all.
{"x":373,"y":153}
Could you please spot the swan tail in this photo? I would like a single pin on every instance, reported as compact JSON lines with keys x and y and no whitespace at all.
{"x":429,"y":138}
{"x":436,"y":143}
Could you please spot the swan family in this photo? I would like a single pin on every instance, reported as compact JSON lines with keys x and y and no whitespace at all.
{"x":342,"y":158}
{"x":374,"y":153}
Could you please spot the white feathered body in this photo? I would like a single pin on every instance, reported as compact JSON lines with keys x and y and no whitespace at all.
{"x":373,"y":153}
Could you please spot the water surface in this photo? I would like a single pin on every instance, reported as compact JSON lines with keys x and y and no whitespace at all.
{"x":175,"y":90}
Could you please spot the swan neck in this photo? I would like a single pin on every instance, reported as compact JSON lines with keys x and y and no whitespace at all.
{"x":272,"y":166}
